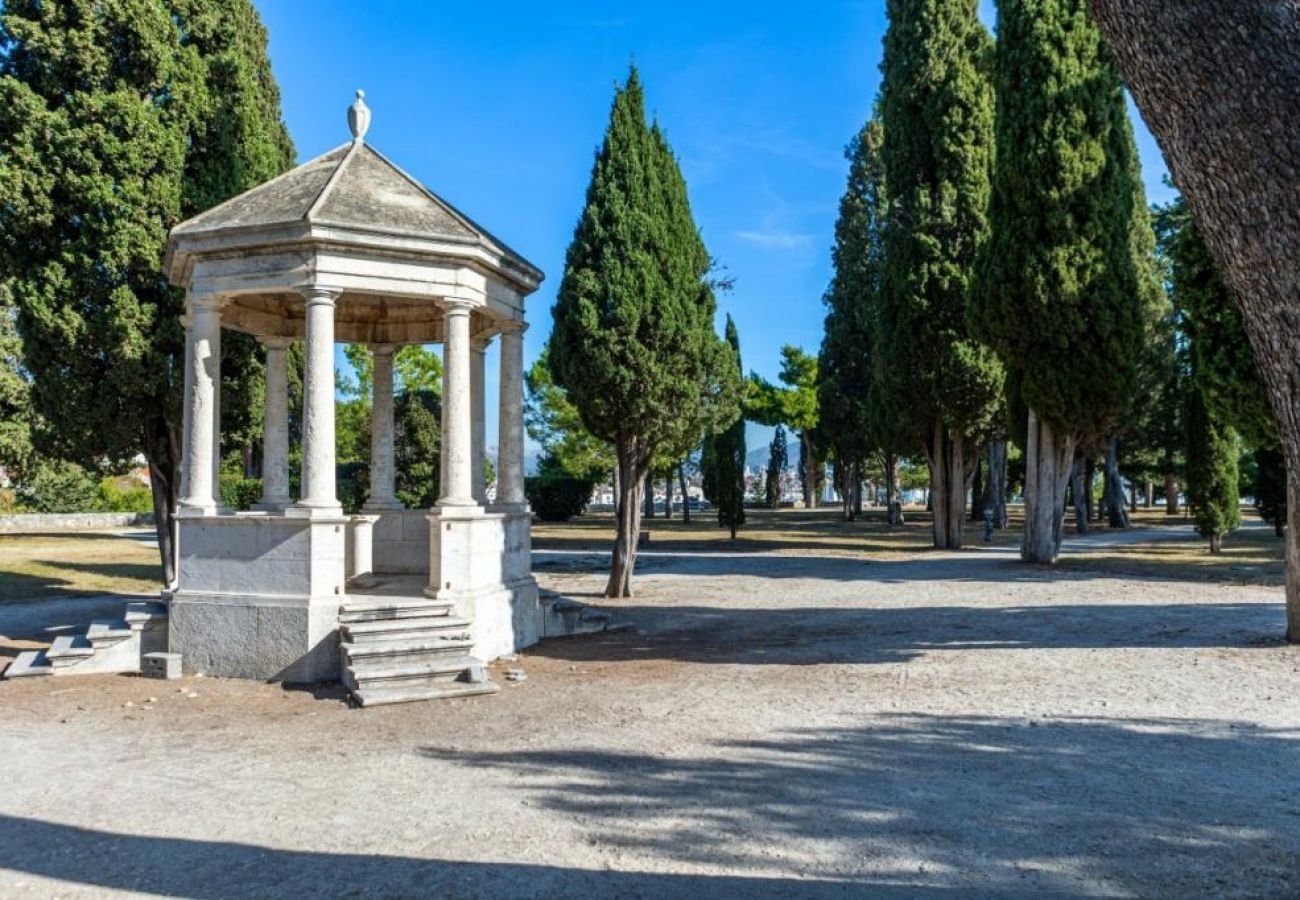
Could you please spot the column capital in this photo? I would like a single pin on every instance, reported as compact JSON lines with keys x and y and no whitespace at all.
{"x":275,"y":341}
{"x":511,"y":326}
{"x":316,"y":294}
{"x":383,"y":349}
{"x":479,"y":344}
{"x":455,"y":305}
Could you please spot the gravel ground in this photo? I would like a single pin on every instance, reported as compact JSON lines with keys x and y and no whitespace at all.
{"x":954,"y":723}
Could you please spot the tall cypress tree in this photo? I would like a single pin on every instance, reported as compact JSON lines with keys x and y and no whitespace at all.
{"x":633,"y":343}
{"x":844,"y":364}
{"x":117,"y":120}
{"x":1212,"y":475}
{"x":936,"y":105}
{"x":776,"y":463}
{"x":1059,"y":297}
{"x":728,"y":458}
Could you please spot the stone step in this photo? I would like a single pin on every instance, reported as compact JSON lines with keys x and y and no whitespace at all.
{"x":406,"y":648}
{"x":385,"y":628}
{"x":106,"y":633}
{"x":370,"y":609}
{"x":145,"y":612}
{"x":385,"y":673}
{"x":28,"y":664}
{"x":69,"y":650}
{"x":444,"y":691}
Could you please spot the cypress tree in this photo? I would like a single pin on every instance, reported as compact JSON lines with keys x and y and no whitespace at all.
{"x":117,"y":120}
{"x":844,"y":364}
{"x":1211,"y":472}
{"x":776,"y":463}
{"x":795,"y":406}
{"x":936,"y":105}
{"x":728,"y":458}
{"x":633,"y":344}
{"x":1059,"y":296}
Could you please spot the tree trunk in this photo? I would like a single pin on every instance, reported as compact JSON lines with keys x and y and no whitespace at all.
{"x":1089,"y":478}
{"x":1116,"y":501}
{"x":1219,"y":86}
{"x":894,"y":509}
{"x":1172,"y":505}
{"x":163,"y":458}
{"x":668,"y":495}
{"x":1048,"y":458}
{"x":686,"y":497}
{"x":648,"y":497}
{"x":977,"y":491}
{"x":995,"y":486}
{"x":947,"y":486}
{"x":809,"y":465}
{"x":857,"y":490}
{"x":1149,"y":494}
{"x":1216,"y":543}
{"x":627,"y":515}
{"x":1079,"y":494}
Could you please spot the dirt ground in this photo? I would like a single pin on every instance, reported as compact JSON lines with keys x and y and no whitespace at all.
{"x":780,"y":722}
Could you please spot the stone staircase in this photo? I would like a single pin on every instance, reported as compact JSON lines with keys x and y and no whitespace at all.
{"x":404,"y":649}
{"x":107,"y":646}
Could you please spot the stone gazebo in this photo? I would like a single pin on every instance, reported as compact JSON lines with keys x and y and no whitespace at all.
{"x":348,"y":247}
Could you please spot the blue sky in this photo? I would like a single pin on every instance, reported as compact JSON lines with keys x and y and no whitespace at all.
{"x":499,"y":108}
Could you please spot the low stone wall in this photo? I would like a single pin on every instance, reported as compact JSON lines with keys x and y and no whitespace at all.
{"x":44,"y":523}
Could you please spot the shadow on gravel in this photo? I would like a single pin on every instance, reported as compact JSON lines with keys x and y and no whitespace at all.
{"x":967,"y":803}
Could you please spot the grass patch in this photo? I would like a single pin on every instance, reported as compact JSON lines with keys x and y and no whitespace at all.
{"x":36,"y":566}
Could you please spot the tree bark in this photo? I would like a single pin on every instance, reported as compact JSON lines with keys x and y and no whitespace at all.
{"x":163,"y":457}
{"x":1149,"y":494}
{"x":1048,"y":459}
{"x":668,"y":495}
{"x":947,"y":485}
{"x":894,"y":509}
{"x":1216,"y":543}
{"x":809,"y":465}
{"x":627,"y":515}
{"x":1079,"y":494}
{"x":1218,"y":84}
{"x":857,"y":490}
{"x":1116,"y":499}
{"x":686,"y":497}
{"x":648,"y":497}
{"x":977,"y":491}
{"x":1173,"y":506}
{"x":995,"y":485}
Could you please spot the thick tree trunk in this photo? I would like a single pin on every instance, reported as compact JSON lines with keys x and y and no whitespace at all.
{"x":627,"y":515}
{"x":1218,"y":83}
{"x":1216,"y":543}
{"x":686,"y":497}
{"x":1048,"y":459}
{"x":648,"y":497}
{"x":1079,"y":494}
{"x":894,"y":509}
{"x":1149,"y":494}
{"x":808,"y":465}
{"x":1116,"y":501}
{"x":163,"y":456}
{"x":995,"y":486}
{"x":947,"y":486}
{"x":1173,"y":507}
{"x":668,"y":496}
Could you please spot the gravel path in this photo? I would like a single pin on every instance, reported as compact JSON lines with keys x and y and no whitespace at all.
{"x":951,"y":724}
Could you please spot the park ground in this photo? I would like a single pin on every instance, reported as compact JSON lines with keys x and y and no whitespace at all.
{"x":819,"y":709}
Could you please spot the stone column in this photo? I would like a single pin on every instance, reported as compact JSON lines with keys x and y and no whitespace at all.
{"x":382,"y":468}
{"x":510,"y":429}
{"x":318,"y":489}
{"x":457,"y":427}
{"x":202,"y":387}
{"x":478,"y":419}
{"x":275,"y":429}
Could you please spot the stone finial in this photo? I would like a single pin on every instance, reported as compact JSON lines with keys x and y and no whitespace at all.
{"x":359,"y":117}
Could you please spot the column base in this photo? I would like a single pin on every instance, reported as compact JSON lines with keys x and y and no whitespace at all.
{"x":299,"y":511}
{"x":272,"y":506}
{"x":184,"y":510}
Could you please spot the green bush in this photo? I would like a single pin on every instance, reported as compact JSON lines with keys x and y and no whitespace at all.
{"x":352,"y":482}
{"x":58,"y":486}
{"x":240,"y":493}
{"x":558,"y":498}
{"x":114,"y":498}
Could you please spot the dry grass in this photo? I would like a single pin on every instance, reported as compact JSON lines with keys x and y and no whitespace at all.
{"x":77,"y":563}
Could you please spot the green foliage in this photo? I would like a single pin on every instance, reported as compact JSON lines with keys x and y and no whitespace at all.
{"x":1269,"y":487}
{"x":58,"y":486}
{"x":555,"y":423}
{"x":554,"y":494}
{"x":728,"y":459}
{"x":16,"y":416}
{"x":239,"y":493}
{"x":936,"y":109}
{"x":352,"y":480}
{"x":113,"y":496}
{"x":1211,"y":471}
{"x":776,"y":463}
{"x":416,"y":367}
{"x":794,"y":405}
{"x":844,"y":364}
{"x":417,"y":439}
{"x":633,"y":344}
{"x":118,"y":119}
{"x":1060,"y":294}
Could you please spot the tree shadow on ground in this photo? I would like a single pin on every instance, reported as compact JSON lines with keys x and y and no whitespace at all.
{"x":826,"y":634}
{"x":971,"y":803}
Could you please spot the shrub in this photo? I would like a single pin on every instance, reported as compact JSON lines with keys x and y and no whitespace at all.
{"x":240,"y":493}
{"x":58,"y":486}
{"x":113,"y":497}
{"x":558,"y":498}
{"x":353,"y":485}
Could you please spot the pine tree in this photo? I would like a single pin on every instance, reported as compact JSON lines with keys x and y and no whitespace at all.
{"x":936,"y":105}
{"x":776,"y":463}
{"x":728,"y":458}
{"x":1059,"y":293}
{"x":633,"y":344}
{"x":128,"y":117}
{"x":1211,"y":473}
{"x":844,"y":364}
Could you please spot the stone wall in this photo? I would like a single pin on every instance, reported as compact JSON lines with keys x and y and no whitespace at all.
{"x":44,"y":523}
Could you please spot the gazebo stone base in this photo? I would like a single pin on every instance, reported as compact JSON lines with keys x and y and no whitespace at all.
{"x":505,"y":619}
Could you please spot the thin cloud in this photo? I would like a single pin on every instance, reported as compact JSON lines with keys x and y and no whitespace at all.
{"x":775,"y":240}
